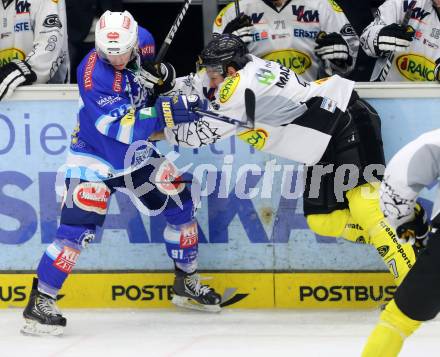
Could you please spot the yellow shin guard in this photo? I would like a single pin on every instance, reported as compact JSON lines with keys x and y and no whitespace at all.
{"x":387,"y":338}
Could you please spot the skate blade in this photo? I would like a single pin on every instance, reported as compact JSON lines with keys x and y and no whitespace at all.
{"x":33,"y":328}
{"x":189,"y":303}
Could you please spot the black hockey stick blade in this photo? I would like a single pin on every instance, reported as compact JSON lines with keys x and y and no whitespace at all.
{"x":249,"y":103}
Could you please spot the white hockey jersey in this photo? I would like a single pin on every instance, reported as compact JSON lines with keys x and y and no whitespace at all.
{"x":287,"y":35}
{"x":418,"y":62}
{"x":36,"y":31}
{"x":414,"y":167}
{"x":280,"y":96}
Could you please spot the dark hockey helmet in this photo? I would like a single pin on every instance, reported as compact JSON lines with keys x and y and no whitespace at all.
{"x":223,"y":51}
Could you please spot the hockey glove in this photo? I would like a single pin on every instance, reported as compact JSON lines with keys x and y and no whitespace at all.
{"x":161,"y":78}
{"x":178,"y":109}
{"x":241,"y":27}
{"x":332,"y":47}
{"x":415,"y":231}
{"x":393,"y":38}
{"x":437,"y":70}
{"x":14,"y":74}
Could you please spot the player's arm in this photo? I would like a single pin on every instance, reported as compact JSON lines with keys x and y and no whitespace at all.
{"x":227,"y":21}
{"x":337,"y":43}
{"x":385,"y":34}
{"x":415,"y":166}
{"x":50,"y":34}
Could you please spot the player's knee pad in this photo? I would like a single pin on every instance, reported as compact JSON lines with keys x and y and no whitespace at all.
{"x":330,"y":224}
{"x":61,"y":256}
{"x":419,"y":294}
{"x":182,"y":242}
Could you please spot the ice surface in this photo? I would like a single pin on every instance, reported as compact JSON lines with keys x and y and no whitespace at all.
{"x":173,"y":332}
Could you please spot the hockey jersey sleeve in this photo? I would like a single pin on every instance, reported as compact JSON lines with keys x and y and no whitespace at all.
{"x":333,"y":19}
{"x":50,"y":31}
{"x":415,"y":166}
{"x":110,"y":108}
{"x":390,"y":12}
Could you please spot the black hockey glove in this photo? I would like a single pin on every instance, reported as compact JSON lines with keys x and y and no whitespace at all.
{"x":333,"y":47}
{"x":437,"y":70}
{"x":241,"y":27}
{"x":14,"y":74}
{"x":415,"y":231}
{"x":393,"y":38}
{"x":161,"y":78}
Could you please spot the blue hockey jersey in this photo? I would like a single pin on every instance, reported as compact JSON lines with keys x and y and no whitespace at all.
{"x":113,"y":113}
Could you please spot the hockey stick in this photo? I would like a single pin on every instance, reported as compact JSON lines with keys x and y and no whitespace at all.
{"x":249,"y":102}
{"x":237,"y":8}
{"x":390,"y":57}
{"x":167,"y":42}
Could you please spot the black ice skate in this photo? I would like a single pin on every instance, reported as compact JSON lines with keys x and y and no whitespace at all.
{"x":41,"y":315}
{"x":191,"y":294}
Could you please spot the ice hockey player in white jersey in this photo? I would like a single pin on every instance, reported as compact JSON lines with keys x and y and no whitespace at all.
{"x":318,"y":123}
{"x":312,"y":38}
{"x":415,"y":166}
{"x":33,"y":44}
{"x":413,"y":46}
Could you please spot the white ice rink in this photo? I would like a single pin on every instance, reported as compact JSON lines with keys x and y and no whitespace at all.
{"x":243,"y":333}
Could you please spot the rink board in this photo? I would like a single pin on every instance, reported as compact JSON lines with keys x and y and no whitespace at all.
{"x":239,"y":290}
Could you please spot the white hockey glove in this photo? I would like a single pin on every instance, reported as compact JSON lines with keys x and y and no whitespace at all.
{"x":332,"y":47}
{"x":393,"y":38}
{"x":416,"y":230}
{"x":437,"y":70}
{"x":161,"y":80}
{"x":241,"y":27}
{"x":14,"y":74}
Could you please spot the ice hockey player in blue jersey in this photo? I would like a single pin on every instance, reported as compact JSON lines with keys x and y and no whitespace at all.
{"x":119,"y":111}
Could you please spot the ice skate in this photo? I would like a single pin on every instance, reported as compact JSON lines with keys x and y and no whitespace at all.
{"x":41,"y":315}
{"x":191,"y":294}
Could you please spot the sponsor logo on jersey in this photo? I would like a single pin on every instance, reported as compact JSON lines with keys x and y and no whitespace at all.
{"x":147,"y":113}
{"x":279,"y":36}
{"x":260,"y":36}
{"x":304,"y":33}
{"x":256,"y":17}
{"x":383,"y":250}
{"x":418,"y":13}
{"x":9,"y":54}
{"x":228,"y":88}
{"x":429,"y":43}
{"x":167,"y":114}
{"x":335,"y":6}
{"x":189,"y":236}
{"x":147,"y":50}
{"x":22,"y":26}
{"x":303,"y":15}
{"x":117,"y":82}
{"x":22,"y":6}
{"x":219,"y":19}
{"x":88,"y":71}
{"x":52,"y":21}
{"x":256,"y":138}
{"x":67,"y":259}
{"x":92,"y":197}
{"x":128,"y":119}
{"x":5,"y":34}
{"x":415,"y":67}
{"x":295,"y":60}
{"x":435,"y":33}
{"x":103,"y":101}
{"x":168,"y":180}
{"x":6,"y":3}
{"x":347,"y":30}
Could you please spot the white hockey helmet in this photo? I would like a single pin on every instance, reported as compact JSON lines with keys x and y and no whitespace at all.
{"x":116,"y":33}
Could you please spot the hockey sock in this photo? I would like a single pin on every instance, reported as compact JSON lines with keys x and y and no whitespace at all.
{"x":60,"y":257}
{"x":366,"y":211}
{"x":387,"y":338}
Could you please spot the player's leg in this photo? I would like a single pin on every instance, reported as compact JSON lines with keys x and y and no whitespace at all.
{"x":416,"y":300}
{"x":365,"y":210}
{"x":84,"y":207}
{"x":174,"y":201}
